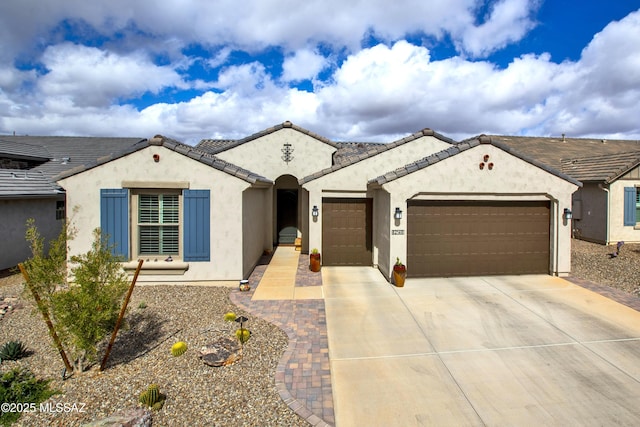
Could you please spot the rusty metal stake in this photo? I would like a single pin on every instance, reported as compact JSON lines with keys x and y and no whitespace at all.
{"x":47,"y":319}
{"x":122,"y":311}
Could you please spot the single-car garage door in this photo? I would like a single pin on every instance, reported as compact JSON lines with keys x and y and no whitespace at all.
{"x":472,"y":238}
{"x":346,"y":231}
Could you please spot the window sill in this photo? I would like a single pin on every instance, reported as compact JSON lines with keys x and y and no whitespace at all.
{"x":157,"y":267}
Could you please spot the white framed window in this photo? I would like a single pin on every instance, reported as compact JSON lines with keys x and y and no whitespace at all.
{"x":61,"y":210}
{"x":153,"y":223}
{"x":157,"y":228}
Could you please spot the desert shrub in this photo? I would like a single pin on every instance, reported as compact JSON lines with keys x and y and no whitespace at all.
{"x":20,"y":386}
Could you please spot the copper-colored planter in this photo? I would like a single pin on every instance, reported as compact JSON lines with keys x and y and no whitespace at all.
{"x":314,"y":262}
{"x":398,"y":277}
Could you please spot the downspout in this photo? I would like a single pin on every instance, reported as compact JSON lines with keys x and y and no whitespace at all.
{"x":606,"y":190}
{"x":558,"y":225}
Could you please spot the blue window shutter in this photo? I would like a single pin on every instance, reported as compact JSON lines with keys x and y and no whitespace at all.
{"x":196,"y":225}
{"x":114,"y":219}
{"x":629,"y":206}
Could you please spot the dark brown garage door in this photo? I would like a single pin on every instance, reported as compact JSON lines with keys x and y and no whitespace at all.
{"x":477,"y":238}
{"x":346,"y":231}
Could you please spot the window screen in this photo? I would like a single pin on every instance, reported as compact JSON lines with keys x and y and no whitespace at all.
{"x":158,"y":224}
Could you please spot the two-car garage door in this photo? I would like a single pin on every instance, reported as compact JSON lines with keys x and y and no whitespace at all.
{"x":468,"y":238}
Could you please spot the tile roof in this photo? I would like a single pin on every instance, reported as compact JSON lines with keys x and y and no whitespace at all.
{"x":186,"y":150}
{"x":56,"y":154}
{"x":17,"y":183}
{"x":20,"y":150}
{"x":353,"y":150}
{"x":459,"y":148}
{"x":551,"y":151}
{"x":356,"y":154}
{"x":215,"y":146}
{"x":69,"y":152}
{"x":605,"y":168}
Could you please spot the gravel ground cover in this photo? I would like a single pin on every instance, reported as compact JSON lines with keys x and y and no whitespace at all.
{"x":593,"y":262}
{"x":240,"y":394}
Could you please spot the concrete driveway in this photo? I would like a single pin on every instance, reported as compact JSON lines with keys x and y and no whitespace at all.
{"x":508,"y":350}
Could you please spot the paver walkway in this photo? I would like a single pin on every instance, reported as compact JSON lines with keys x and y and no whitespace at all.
{"x":303,"y":377}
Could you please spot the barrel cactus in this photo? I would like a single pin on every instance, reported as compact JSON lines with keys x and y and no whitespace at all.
{"x":152,"y":397}
{"x":179,"y":348}
{"x":243,"y":335}
{"x":230,"y":317}
{"x":13,"y":350}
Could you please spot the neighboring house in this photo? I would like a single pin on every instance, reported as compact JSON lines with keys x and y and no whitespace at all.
{"x":607,"y":208}
{"x":27,"y":165}
{"x":209,"y":212}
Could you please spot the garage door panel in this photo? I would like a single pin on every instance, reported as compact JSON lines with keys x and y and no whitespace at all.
{"x":477,"y":238}
{"x":347,"y":231}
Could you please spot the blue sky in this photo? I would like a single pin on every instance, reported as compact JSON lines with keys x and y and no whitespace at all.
{"x":362,"y":71}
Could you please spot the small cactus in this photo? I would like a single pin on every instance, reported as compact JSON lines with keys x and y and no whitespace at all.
{"x":179,"y":348}
{"x":230,"y":317}
{"x":243,"y":335}
{"x":152,"y":397}
{"x":13,"y":350}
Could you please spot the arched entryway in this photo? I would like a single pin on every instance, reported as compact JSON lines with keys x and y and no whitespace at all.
{"x":287,"y":210}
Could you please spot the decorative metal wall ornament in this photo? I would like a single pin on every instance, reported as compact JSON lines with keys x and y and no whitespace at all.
{"x":287,"y":152}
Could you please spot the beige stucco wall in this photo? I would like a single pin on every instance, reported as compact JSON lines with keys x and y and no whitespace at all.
{"x":617,"y":230}
{"x":351,"y":181}
{"x":590,"y":213}
{"x":256,"y":224}
{"x":264,"y":155}
{"x":382,"y":216}
{"x":83,"y":192}
{"x":460,"y":178}
{"x":14,"y":248}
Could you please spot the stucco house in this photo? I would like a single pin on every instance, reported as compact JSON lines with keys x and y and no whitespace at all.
{"x":27,"y":189}
{"x":606,"y":209}
{"x":209,"y":212}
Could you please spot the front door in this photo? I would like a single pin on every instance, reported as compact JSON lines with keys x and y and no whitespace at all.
{"x":287,"y":216}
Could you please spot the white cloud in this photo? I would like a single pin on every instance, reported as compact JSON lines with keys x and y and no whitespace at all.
{"x":254,"y":24}
{"x":302,"y":65}
{"x":90,"y":76}
{"x":508,"y":22}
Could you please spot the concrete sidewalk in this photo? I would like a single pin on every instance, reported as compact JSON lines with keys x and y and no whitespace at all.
{"x":507,"y":350}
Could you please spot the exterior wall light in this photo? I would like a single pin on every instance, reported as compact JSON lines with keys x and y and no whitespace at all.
{"x":315,"y":211}
{"x":398,"y":214}
{"x":567,"y":214}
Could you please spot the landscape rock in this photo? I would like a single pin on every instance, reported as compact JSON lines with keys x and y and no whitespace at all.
{"x":131,"y":417}
{"x":222,"y":352}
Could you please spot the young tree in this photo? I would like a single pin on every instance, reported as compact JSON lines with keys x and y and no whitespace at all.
{"x":86,"y":311}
